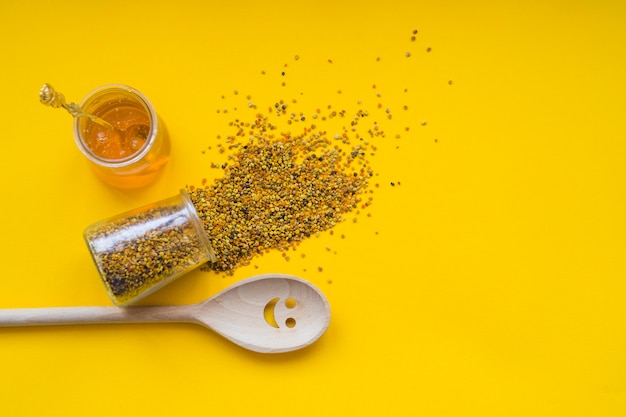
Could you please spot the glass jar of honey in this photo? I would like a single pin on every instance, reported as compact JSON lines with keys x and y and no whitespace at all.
{"x":131,"y":153}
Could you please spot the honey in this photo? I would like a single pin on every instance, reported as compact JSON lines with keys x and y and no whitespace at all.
{"x":132,"y":128}
{"x":133,"y":153}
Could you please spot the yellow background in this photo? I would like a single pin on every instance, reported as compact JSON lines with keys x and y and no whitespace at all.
{"x":489,"y":282}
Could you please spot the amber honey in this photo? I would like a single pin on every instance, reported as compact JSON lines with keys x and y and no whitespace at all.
{"x":132,"y":128}
{"x":132,"y":154}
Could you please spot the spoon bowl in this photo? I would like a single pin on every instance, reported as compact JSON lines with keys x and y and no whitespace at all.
{"x":270,"y":313}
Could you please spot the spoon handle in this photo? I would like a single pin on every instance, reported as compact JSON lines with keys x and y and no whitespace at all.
{"x":50,"y":97}
{"x":93,"y":315}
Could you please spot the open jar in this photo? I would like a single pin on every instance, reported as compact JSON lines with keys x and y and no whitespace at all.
{"x":132,"y":153}
{"x":140,"y":251}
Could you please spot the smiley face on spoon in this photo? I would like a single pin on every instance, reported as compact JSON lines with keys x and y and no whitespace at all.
{"x":270,"y":312}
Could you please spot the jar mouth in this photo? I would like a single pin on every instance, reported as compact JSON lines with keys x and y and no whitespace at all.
{"x":100,"y":94}
{"x":197,"y":222}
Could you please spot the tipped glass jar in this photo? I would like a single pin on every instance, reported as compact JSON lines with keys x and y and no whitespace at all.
{"x":132,"y":153}
{"x":139,"y":252}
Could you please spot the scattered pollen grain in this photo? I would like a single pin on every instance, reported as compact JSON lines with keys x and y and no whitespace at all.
{"x":277,"y":190}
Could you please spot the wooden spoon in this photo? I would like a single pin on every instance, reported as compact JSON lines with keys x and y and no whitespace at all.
{"x":269,"y":313}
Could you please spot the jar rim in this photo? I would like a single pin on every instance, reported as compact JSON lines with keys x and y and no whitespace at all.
{"x":137,"y":156}
{"x":198,"y":224}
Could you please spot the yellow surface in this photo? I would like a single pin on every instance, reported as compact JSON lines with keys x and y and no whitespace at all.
{"x":490,"y":281}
